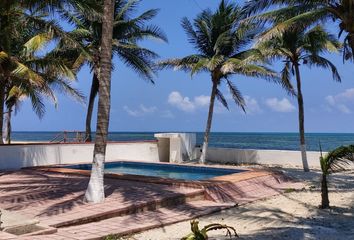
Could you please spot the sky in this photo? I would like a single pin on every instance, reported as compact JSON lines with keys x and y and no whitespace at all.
{"x":177,"y":102}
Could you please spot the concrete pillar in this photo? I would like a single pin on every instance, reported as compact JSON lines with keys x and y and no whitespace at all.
{"x":176,"y":147}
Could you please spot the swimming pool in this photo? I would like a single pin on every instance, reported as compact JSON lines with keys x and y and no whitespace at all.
{"x":162,"y":170}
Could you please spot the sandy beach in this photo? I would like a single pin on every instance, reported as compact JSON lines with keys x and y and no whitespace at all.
{"x":291,"y":216}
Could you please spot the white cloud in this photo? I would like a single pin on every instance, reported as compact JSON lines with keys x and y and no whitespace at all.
{"x":330,"y":100}
{"x":167,"y":114}
{"x":252,"y":106}
{"x":340,"y":101}
{"x":344,"y":109}
{"x":185,"y":103}
{"x":141,"y":111}
{"x":280,"y":105}
{"x":202,"y":100}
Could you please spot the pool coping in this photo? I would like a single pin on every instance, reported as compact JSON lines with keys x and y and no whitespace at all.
{"x":243,"y":175}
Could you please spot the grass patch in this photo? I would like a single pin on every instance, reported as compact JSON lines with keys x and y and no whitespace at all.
{"x":289,"y":190}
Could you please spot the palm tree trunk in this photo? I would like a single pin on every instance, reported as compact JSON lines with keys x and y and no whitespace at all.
{"x":8,"y":128}
{"x":324,"y":192}
{"x":2,"y":102}
{"x":93,"y":94}
{"x":209,"y":122}
{"x":300,"y":101}
{"x":351,"y":43}
{"x":95,"y":189}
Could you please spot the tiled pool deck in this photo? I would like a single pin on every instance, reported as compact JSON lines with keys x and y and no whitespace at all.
{"x":133,"y":203}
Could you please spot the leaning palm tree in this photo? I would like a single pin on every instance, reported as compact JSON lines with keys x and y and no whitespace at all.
{"x":14,"y":99}
{"x":301,"y":45}
{"x":20,"y":90}
{"x":95,"y":189}
{"x":222,"y":44}
{"x":30,"y":73}
{"x":127,"y":33}
{"x":334,"y":161}
{"x":307,"y":12}
{"x":24,"y":27}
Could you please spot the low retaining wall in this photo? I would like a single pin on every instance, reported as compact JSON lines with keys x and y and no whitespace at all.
{"x":27,"y":155}
{"x":268,"y":157}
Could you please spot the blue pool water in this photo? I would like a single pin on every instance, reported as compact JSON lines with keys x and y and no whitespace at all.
{"x":162,"y":170}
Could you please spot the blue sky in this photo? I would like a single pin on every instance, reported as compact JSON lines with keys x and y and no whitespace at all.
{"x":178,"y":102}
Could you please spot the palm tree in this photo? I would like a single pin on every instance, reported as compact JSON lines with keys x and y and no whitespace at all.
{"x":127,"y":32}
{"x":13,"y":101}
{"x":95,"y":189}
{"x":334,"y":161}
{"x":221,"y":42}
{"x":23,"y":30}
{"x":307,"y":12}
{"x":20,"y":90}
{"x":301,"y":45}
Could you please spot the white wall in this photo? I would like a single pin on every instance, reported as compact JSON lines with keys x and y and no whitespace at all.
{"x":176,"y":147}
{"x":268,"y":157}
{"x":18,"y":156}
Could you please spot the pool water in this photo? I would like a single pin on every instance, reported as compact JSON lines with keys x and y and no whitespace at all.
{"x":162,"y":170}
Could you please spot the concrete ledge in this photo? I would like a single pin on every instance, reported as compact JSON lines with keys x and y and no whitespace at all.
{"x":265,"y":157}
{"x":14,"y":157}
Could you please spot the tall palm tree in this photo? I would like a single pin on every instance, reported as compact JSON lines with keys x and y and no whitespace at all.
{"x":222,"y":44}
{"x":307,"y":12}
{"x":95,"y":189}
{"x":127,"y":32}
{"x":334,"y":161}
{"x":301,"y":45}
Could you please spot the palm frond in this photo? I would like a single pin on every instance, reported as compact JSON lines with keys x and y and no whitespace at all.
{"x":139,"y":59}
{"x":286,"y":79}
{"x":338,"y":159}
{"x":37,"y":42}
{"x":24,"y":72}
{"x":186,"y":64}
{"x":65,"y":87}
{"x":315,"y":60}
{"x":221,"y":99}
{"x":236,"y":95}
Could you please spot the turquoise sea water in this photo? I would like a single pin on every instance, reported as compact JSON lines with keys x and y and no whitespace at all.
{"x":279,"y":141}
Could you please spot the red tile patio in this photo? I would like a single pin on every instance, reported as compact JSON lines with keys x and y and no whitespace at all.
{"x":56,"y":199}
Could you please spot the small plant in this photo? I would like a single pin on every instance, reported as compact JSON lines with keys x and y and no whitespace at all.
{"x":335,"y":161}
{"x":289,"y":190}
{"x":202,"y":234}
{"x":115,"y":237}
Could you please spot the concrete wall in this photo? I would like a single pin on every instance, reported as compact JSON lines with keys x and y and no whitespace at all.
{"x":18,"y":156}
{"x":268,"y":157}
{"x":176,"y":147}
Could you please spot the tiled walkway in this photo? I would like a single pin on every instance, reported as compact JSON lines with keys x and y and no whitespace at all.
{"x":131,"y":206}
{"x":57,"y":198}
{"x":133,"y":223}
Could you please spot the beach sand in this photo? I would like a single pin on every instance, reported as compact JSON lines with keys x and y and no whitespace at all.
{"x":290,"y":216}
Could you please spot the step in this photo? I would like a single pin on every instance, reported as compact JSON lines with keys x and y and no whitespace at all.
{"x":138,"y":222}
{"x":93,"y":213}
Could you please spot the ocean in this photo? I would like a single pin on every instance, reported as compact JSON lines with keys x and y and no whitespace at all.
{"x":276,"y":141}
